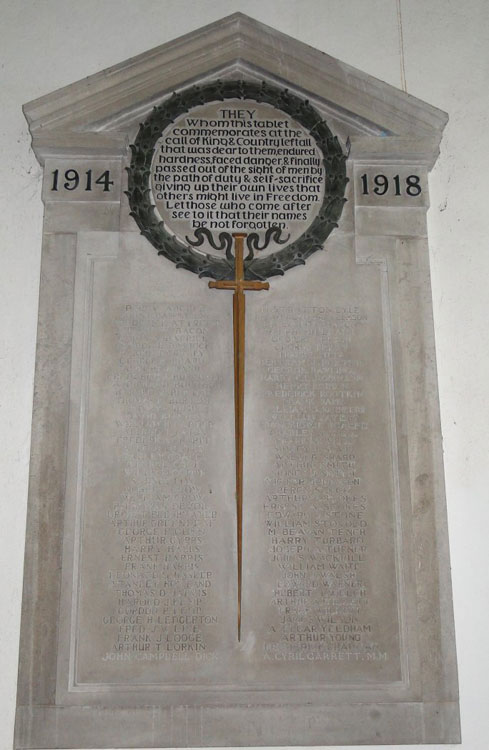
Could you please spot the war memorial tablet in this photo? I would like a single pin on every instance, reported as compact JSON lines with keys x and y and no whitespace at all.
{"x":236,"y":519}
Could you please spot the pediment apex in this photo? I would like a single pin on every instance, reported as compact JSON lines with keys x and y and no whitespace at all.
{"x":96,"y":111}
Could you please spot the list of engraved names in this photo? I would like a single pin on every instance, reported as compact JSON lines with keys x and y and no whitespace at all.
{"x":319,"y":506}
{"x":161,"y":580}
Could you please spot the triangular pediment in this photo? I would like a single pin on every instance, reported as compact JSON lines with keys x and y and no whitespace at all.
{"x":100,"y":114}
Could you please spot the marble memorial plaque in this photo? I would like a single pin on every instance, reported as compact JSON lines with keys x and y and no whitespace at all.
{"x":155,"y":620}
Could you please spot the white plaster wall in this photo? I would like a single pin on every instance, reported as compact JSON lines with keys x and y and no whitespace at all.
{"x":443,"y":52}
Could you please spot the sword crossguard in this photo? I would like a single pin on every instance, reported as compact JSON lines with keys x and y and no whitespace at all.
{"x":239,"y":285}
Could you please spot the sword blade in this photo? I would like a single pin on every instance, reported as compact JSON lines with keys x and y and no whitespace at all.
{"x":239,"y":285}
{"x":239,"y":375}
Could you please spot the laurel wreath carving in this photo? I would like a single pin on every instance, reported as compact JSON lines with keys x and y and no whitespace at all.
{"x":220,"y":268}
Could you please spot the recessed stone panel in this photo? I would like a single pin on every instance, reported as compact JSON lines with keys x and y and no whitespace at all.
{"x":155,"y":603}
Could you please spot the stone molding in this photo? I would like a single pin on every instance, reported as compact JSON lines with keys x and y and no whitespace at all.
{"x":85,"y":117}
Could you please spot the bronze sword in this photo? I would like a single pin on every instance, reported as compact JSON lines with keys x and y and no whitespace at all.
{"x":239,"y":286}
